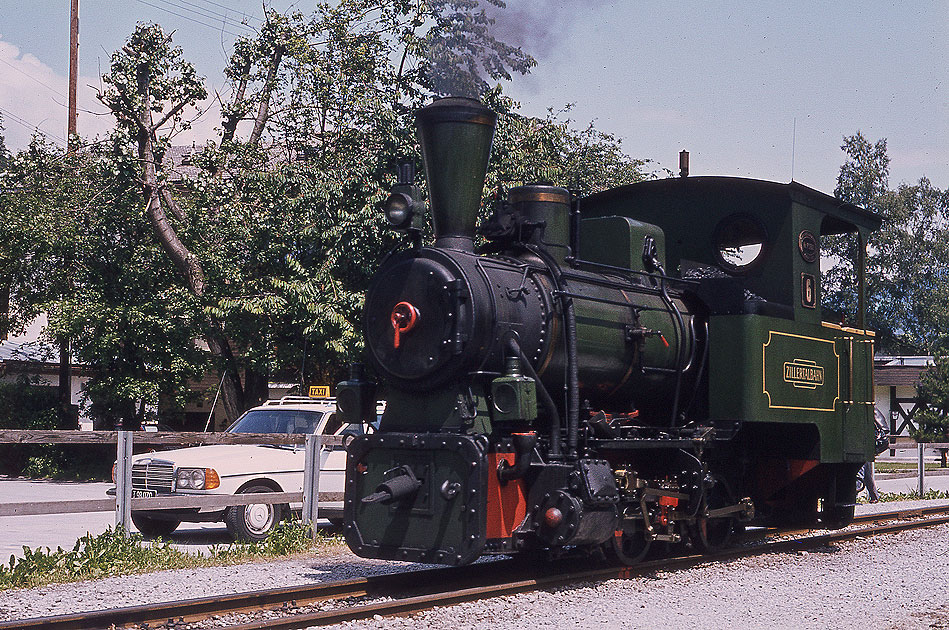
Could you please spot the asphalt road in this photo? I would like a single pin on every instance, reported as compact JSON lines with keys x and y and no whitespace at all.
{"x":63,"y":530}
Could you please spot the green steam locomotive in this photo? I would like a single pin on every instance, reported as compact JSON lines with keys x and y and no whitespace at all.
{"x":649,"y":364}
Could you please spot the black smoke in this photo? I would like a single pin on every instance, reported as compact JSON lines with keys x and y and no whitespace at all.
{"x":538,"y":26}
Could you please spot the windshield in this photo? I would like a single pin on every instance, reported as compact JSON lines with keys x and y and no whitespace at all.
{"x":277,"y":421}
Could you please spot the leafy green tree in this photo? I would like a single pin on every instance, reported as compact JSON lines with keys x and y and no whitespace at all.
{"x":4,"y":154}
{"x":933,"y":392}
{"x":129,"y":321}
{"x":907,"y":284}
{"x":274,"y":243}
{"x":277,"y":251}
{"x":550,"y":149}
{"x":460,"y":54}
{"x":6,"y":260}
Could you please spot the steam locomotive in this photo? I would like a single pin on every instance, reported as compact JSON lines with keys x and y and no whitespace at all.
{"x":649,"y":364}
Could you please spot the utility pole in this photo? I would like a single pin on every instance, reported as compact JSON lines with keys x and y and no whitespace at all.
{"x":65,"y":371}
{"x":73,"y":67}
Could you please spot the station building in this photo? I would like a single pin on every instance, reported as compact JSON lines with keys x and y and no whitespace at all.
{"x":894,"y":383}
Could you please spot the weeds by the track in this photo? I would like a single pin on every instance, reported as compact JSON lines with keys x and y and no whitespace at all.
{"x":900,"y":467}
{"x":114,"y":552}
{"x":886,"y":497}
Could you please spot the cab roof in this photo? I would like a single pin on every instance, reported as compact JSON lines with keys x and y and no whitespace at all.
{"x":841,"y":215}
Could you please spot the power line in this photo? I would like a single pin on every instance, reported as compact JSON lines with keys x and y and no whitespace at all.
{"x":31,"y":77}
{"x":21,"y":121}
{"x":208,"y":13}
{"x":190,"y":19}
{"x":225,"y":7}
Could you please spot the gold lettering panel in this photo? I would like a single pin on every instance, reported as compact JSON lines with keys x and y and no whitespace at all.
{"x":800,"y":372}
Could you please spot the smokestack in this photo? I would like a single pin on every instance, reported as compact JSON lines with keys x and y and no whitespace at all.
{"x":456,"y":136}
{"x":683,"y":163}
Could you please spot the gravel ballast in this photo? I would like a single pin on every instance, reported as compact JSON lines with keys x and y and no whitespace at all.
{"x":893,"y":581}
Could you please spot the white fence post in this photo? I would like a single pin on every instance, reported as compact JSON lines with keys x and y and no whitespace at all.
{"x":123,"y":481}
{"x":922,"y":469}
{"x":311,"y":482}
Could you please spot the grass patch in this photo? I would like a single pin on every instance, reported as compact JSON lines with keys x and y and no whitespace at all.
{"x":891,"y":467}
{"x":114,"y":552}
{"x":886,"y":497}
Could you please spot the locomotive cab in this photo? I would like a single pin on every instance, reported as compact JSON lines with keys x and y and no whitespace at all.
{"x":794,"y":381}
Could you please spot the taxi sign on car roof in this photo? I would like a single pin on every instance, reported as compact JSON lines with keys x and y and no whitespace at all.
{"x":319,"y":391}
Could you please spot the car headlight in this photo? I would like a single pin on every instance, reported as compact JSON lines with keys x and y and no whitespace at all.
{"x":184,"y":478}
{"x":198,"y":478}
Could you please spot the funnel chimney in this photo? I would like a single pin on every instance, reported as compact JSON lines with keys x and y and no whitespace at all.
{"x":455,"y":135}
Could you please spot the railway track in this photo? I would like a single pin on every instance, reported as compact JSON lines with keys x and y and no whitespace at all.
{"x":415,"y":591}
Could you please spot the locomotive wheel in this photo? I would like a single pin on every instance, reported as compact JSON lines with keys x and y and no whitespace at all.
{"x":630,"y":548}
{"x":712,"y":534}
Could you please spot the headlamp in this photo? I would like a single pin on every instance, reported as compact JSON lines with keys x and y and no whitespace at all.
{"x":399,"y":209}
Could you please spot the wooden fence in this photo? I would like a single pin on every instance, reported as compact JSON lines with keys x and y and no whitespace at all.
{"x":123,"y":503}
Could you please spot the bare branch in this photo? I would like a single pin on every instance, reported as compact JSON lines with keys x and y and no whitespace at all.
{"x":231,"y":120}
{"x":171,"y":112}
{"x":186,"y":262}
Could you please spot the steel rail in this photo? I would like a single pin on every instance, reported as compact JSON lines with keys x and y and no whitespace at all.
{"x":421,"y":581}
{"x":421,"y":603}
{"x":265,"y":599}
{"x":878,"y":517}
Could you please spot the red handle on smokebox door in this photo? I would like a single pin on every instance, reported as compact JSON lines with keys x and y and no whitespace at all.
{"x":404,"y":317}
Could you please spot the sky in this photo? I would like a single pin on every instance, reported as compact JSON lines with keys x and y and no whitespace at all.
{"x":752,"y":89}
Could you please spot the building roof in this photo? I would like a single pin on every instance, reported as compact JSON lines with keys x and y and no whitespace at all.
{"x":914,"y":361}
{"x":900,"y":371}
{"x":844,"y":213}
{"x":25,"y":351}
{"x":178,"y":164}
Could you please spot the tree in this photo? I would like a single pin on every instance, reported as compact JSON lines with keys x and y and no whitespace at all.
{"x":932,"y":419}
{"x":131,"y":325}
{"x":4,"y":154}
{"x":529,"y":150}
{"x":266,"y":248}
{"x":5,"y":260}
{"x":274,"y":243}
{"x":907,"y":284}
{"x":150,"y":77}
{"x":460,"y":53}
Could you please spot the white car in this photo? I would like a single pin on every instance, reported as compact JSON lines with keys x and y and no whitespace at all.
{"x":243,"y":468}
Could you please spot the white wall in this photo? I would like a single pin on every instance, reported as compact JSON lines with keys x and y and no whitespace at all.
{"x":882,"y":399}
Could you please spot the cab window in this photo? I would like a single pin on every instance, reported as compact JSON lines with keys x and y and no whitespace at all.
{"x":740,"y":240}
{"x":352,"y":429}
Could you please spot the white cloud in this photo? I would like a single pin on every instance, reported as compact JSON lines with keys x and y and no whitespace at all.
{"x":34,"y":95}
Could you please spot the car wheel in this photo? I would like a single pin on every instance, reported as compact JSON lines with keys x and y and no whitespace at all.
{"x":253,"y":523}
{"x":154,"y":527}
